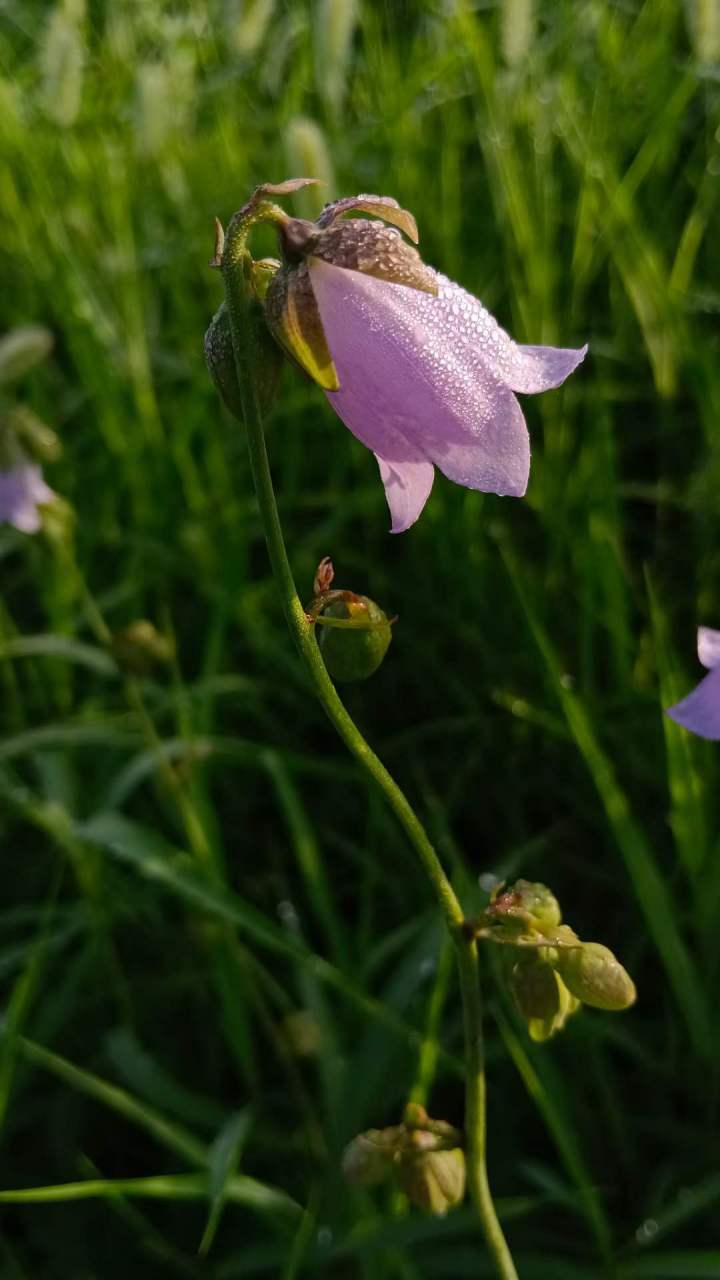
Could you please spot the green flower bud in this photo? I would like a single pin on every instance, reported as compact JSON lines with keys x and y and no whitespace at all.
{"x":368,"y":1159}
{"x":220,"y":356}
{"x":434,"y":1180}
{"x":241,"y":356}
{"x":539,"y":902}
{"x":139,"y":646}
{"x":592,"y":973}
{"x":354,"y":649}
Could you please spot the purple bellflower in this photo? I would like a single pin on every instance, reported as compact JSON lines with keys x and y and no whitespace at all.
{"x":700,"y":711}
{"x":416,"y":367}
{"x":22,"y":491}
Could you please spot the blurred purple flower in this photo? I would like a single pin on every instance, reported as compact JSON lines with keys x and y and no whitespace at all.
{"x":22,"y":490}
{"x":428,"y":381}
{"x":700,"y":711}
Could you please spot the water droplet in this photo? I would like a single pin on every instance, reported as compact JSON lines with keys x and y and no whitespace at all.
{"x":488,"y":880}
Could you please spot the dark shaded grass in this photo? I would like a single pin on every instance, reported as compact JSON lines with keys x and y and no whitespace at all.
{"x":204,"y":905}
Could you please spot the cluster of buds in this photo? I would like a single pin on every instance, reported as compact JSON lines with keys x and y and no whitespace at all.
{"x":354,"y":631}
{"x":424,"y":1156}
{"x":550,"y":972}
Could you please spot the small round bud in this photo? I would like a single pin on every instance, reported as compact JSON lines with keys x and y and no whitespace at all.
{"x":539,"y":902}
{"x":434,"y":1180}
{"x":592,"y":973}
{"x":139,"y":646}
{"x":355,"y":650}
{"x":368,"y":1159}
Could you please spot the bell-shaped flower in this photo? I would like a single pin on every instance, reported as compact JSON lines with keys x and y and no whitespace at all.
{"x":22,"y":491}
{"x":416,"y":367}
{"x":700,"y":710}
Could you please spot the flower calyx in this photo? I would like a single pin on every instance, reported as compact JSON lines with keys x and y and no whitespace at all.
{"x":424,"y":1156}
{"x":371,"y":248}
{"x":549,"y":971}
{"x":242,"y":358}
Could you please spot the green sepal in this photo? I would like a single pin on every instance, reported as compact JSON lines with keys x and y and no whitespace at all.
{"x":220,"y":355}
{"x":434,"y":1181}
{"x":593,"y":974}
{"x":292,"y":317}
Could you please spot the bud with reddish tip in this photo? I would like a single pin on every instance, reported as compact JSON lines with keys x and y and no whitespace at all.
{"x":355,"y":649}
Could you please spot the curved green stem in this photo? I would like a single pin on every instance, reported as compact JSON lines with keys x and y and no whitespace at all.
{"x":303,"y":633}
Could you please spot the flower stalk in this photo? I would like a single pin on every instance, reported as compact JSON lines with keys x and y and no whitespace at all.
{"x":235,"y":265}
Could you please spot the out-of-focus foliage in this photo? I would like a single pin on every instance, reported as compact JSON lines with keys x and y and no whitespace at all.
{"x":218,"y":958}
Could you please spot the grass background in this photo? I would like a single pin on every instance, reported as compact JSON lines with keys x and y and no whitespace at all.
{"x":218,"y":958}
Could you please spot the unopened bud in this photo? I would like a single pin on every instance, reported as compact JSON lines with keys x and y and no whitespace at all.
{"x":593,"y":974}
{"x":354,"y":649}
{"x":220,"y":355}
{"x":139,"y":646}
{"x":434,"y":1180}
{"x":539,"y":902}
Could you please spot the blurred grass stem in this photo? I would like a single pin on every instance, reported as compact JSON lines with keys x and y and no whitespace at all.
{"x":303,"y":633}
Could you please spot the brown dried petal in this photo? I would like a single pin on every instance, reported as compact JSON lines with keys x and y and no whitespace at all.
{"x":381,"y":206}
{"x":286,"y":188}
{"x":375,"y":250}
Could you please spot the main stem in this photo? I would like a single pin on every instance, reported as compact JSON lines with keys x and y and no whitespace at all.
{"x":303,"y":633}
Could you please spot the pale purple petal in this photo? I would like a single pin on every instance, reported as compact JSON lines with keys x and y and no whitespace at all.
{"x":462,"y":319}
{"x":708,"y":646}
{"x":700,"y":711}
{"x":407,"y":489}
{"x":402,"y":375}
{"x":22,"y":489}
{"x":542,"y":368}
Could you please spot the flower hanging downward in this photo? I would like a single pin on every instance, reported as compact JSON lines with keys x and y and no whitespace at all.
{"x":700,"y":711}
{"x":416,"y":367}
{"x":22,"y":491}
